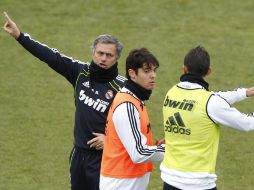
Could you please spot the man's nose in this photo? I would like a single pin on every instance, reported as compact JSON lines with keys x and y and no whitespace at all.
{"x":153,"y":74}
{"x":104,"y":57}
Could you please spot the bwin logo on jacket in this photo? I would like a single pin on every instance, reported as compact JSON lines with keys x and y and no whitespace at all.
{"x":175,"y":124}
{"x":98,"y":104}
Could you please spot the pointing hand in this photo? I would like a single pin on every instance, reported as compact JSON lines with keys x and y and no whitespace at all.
{"x":11,"y":27}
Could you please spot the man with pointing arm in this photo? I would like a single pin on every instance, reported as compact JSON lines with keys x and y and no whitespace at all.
{"x":95,"y":85}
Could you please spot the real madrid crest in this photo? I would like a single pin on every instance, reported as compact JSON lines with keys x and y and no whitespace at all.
{"x":109,"y":94}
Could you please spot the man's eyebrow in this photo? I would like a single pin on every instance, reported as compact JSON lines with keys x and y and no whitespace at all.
{"x":149,"y":66}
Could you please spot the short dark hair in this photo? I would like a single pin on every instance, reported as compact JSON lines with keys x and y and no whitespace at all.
{"x":197,"y":61}
{"x":137,"y":58}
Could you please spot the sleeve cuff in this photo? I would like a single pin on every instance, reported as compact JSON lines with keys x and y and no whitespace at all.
{"x":21,"y":37}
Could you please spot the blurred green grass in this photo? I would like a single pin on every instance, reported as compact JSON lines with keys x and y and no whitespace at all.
{"x":37,"y":106}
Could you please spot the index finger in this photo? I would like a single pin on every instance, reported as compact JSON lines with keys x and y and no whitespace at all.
{"x":6,"y":16}
{"x":92,"y":140}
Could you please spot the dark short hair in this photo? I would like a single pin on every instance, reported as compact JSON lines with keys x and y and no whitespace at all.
{"x":137,"y":58}
{"x":197,"y":61}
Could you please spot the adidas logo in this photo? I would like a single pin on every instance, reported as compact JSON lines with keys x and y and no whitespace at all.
{"x":175,"y":124}
{"x":86,"y":84}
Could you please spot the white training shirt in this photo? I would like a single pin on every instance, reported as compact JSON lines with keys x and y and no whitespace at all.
{"x":220,"y":111}
{"x":122,"y":115}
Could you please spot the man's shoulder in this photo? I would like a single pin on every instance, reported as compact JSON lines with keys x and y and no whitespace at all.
{"x":83,"y":66}
{"x":120,"y":80}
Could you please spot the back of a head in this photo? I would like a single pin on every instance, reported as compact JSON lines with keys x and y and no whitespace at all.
{"x":197,"y":61}
{"x":137,"y":58}
{"x":108,"y":39}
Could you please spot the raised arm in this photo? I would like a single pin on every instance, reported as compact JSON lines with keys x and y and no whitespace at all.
{"x":64,"y":65}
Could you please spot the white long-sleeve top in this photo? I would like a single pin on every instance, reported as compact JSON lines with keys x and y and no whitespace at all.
{"x":220,"y":111}
{"x":135,"y":143}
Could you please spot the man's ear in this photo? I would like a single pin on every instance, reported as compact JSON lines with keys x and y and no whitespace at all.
{"x":132,"y":74}
{"x":185,"y":69}
{"x":209,"y":71}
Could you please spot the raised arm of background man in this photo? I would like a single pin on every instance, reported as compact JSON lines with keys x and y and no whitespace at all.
{"x":62,"y":64}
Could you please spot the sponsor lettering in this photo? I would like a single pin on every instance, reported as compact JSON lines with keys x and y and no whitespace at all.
{"x":98,"y":104}
{"x":183,"y":105}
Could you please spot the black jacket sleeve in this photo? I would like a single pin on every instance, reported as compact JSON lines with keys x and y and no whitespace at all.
{"x":64,"y":65}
